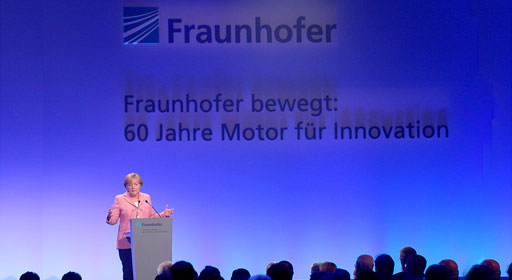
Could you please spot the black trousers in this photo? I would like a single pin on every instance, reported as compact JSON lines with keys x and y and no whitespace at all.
{"x":126,"y":259}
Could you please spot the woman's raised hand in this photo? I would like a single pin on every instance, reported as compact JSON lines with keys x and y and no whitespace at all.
{"x":168,"y":212}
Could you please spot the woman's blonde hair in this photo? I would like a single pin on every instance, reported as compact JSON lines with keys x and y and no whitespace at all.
{"x":131,"y":176}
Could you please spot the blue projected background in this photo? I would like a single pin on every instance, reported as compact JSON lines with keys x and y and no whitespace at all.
{"x":65,"y":74}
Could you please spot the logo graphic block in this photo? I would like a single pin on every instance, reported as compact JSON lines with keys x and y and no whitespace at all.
{"x":140,"y":25}
{"x":139,"y":224}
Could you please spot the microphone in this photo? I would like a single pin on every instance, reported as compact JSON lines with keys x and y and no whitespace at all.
{"x":153,"y":208}
{"x":138,"y":204}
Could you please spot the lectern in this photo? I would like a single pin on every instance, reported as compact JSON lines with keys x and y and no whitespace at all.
{"x":151,"y":240}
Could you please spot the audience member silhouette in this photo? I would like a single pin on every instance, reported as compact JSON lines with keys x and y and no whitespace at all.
{"x":415,"y":267}
{"x":317,"y":275}
{"x":453,"y":268}
{"x":163,"y":277}
{"x":327,"y":276}
{"x":240,"y":274}
{"x":405,"y":253}
{"x":509,"y":271}
{"x":71,"y":276}
{"x":260,"y":277}
{"x":315,"y":267}
{"x":209,"y":273}
{"x":183,"y":270}
{"x":289,"y":267}
{"x":328,"y":267}
{"x":363,"y":262}
{"x":384,"y":266}
{"x":269,"y":265}
{"x":341,"y":274}
{"x":29,"y":275}
{"x":494,"y":268}
{"x":437,"y":272}
{"x":164,"y":268}
{"x":367,"y":274}
{"x":479,"y":272}
{"x":279,"y":271}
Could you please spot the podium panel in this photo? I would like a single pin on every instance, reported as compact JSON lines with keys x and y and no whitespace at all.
{"x":151,"y":245}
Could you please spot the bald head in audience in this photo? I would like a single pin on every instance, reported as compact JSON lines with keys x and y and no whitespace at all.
{"x":364,"y":262}
{"x":452,"y":267}
{"x":494,"y":268}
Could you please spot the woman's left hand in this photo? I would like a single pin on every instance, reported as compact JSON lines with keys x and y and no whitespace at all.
{"x":168,"y":212}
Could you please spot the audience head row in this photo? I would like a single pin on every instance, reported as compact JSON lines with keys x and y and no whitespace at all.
{"x":29,"y":275}
{"x":413,"y":268}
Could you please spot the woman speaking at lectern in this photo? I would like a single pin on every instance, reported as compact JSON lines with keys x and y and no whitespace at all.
{"x":129,"y":205}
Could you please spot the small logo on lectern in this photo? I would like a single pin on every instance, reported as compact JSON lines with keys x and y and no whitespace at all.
{"x":141,"y":25}
{"x":139,"y":224}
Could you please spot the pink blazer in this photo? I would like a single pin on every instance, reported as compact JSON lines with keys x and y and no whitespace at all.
{"x":125,"y":209}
